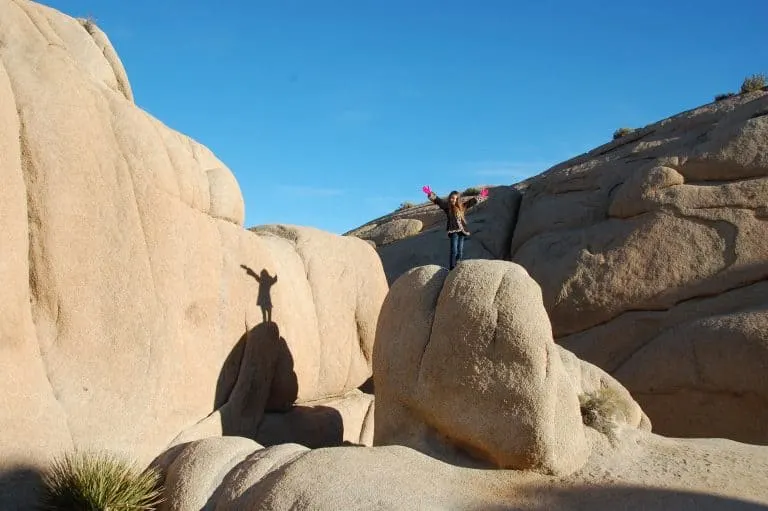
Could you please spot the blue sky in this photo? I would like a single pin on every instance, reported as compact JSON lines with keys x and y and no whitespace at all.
{"x":332,"y":112}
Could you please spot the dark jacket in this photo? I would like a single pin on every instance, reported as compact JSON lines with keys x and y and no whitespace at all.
{"x":455,"y":223}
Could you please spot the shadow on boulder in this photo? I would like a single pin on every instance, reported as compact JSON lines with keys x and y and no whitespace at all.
{"x":257,"y":376}
{"x":257,"y":387}
{"x":20,"y":488}
{"x":256,"y":395}
{"x":310,"y":426}
{"x":626,"y":497}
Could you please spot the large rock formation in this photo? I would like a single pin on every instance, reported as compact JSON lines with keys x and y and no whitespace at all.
{"x":465,"y":367}
{"x":139,"y":316}
{"x":652,"y":266}
{"x":467,"y":373}
{"x":652,"y":263}
{"x":135,"y":307}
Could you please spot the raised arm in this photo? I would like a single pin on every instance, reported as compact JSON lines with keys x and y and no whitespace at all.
{"x":442,"y":203}
{"x":249,"y":271}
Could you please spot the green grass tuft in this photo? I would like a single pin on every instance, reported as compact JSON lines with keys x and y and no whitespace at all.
{"x":99,"y":481}
{"x":406,"y":205}
{"x":472,"y":190}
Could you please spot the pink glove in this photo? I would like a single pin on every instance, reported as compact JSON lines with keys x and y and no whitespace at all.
{"x":426,"y":189}
{"x":484,"y":193}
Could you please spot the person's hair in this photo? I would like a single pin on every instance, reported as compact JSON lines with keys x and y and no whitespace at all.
{"x":458,"y":207}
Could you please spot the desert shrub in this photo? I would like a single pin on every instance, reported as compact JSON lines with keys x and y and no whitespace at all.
{"x":406,"y":205}
{"x":622,"y":132}
{"x":99,"y":481}
{"x":89,"y":24}
{"x":472,"y":190}
{"x":603,"y":409}
{"x":753,"y":83}
{"x":727,"y":95}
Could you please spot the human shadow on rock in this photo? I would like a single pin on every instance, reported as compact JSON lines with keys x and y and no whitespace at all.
{"x":257,"y":386}
{"x":264,"y":297}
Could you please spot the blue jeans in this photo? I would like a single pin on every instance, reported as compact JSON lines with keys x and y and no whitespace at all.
{"x":457,"y":248}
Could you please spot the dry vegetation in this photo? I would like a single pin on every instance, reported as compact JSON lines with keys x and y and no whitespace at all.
{"x":99,"y":481}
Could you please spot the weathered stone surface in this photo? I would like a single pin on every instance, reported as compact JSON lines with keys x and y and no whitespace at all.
{"x":426,"y":213}
{"x":465,"y":365}
{"x":589,"y":380}
{"x":397,"y":229}
{"x":194,"y":471}
{"x":128,"y":315}
{"x":640,"y":471}
{"x":636,"y":241}
{"x":647,"y":251}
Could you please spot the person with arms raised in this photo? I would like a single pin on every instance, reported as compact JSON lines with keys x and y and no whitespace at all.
{"x":456,"y":224}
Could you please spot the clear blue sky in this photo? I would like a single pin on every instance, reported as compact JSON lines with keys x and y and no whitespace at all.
{"x":332,"y":112}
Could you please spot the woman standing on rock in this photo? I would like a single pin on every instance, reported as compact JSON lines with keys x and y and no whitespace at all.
{"x":457,"y":224}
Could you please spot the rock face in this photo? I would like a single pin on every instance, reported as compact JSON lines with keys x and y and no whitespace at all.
{"x":394,"y":230}
{"x":642,"y":471}
{"x":465,"y":366}
{"x":652,"y":264}
{"x":135,"y":307}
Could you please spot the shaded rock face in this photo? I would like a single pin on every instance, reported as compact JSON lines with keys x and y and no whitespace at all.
{"x":330,"y":422}
{"x":465,"y":367}
{"x":135,"y":308}
{"x":652,"y":263}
